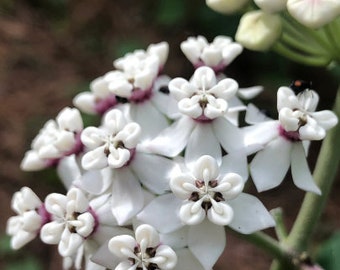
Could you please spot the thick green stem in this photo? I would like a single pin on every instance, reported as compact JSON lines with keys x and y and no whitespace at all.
{"x":324,"y":175}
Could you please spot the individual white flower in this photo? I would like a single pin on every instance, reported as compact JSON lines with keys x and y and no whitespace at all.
{"x":297,"y":115}
{"x":145,"y":251}
{"x":113,"y":144}
{"x":159,"y":51}
{"x":271,"y":5}
{"x":217,"y":55}
{"x":283,"y":142}
{"x":314,"y":14}
{"x":31,"y":215}
{"x":78,"y":225}
{"x":206,"y":197}
{"x":57,"y":139}
{"x":226,"y":6}
{"x":258,"y":30}
{"x":202,"y":126}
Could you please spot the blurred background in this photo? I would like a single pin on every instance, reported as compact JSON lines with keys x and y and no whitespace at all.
{"x":50,"y":50}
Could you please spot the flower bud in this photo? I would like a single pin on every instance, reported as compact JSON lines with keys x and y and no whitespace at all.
{"x":258,"y":30}
{"x":226,"y":6}
{"x":271,"y":6}
{"x":314,"y":14}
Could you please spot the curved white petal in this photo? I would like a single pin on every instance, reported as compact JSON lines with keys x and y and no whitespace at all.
{"x":270,"y":165}
{"x":117,"y":158}
{"x":68,"y":170}
{"x":69,"y":243}
{"x":32,"y":162}
{"x":220,"y":213}
{"x":156,"y":180}
{"x":171,"y":141}
{"x":151,"y":120}
{"x":301,"y":174}
{"x":235,"y":163}
{"x":206,"y":168}
{"x":249,"y":92}
{"x":85,"y":102}
{"x":208,"y":239}
{"x":51,"y":232}
{"x":192,"y":213}
{"x":250,"y":215}
{"x":202,"y":141}
{"x":95,"y":182}
{"x":146,"y":236}
{"x":165,"y":257}
{"x":95,"y":159}
{"x":187,"y":261}
{"x":127,"y":196}
{"x":122,"y":246}
{"x":326,"y":119}
{"x":182,"y":185}
{"x":154,"y":213}
{"x":229,"y":136}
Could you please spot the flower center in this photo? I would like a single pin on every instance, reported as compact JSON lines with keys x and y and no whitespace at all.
{"x":143,"y":258}
{"x":206,"y":193}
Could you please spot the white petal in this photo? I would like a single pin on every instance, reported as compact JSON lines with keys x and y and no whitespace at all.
{"x":271,"y":5}
{"x":156,"y":180}
{"x":70,"y":119}
{"x":250,"y":215}
{"x":173,"y":139}
{"x":180,"y":88}
{"x":187,"y":261}
{"x":122,"y":246}
{"x":182,"y":185}
{"x":127,"y":195}
{"x":236,"y":163}
{"x":220,"y":213}
{"x":117,"y":158}
{"x":32,"y":162}
{"x":301,"y":174}
{"x":70,"y":243}
{"x":55,"y":204}
{"x":230,"y":186}
{"x":95,"y":182}
{"x":104,"y":256}
{"x":85,"y":102}
{"x":270,"y":165}
{"x":326,"y":119}
{"x":226,"y":7}
{"x":21,"y":238}
{"x":154,"y":213}
{"x":149,"y":118}
{"x":208,"y":239}
{"x":76,"y":201}
{"x":314,"y":14}
{"x":229,"y":136}
{"x":177,"y":239}
{"x":206,"y":168}
{"x":51,"y":232}
{"x":68,"y":170}
{"x":146,"y":236}
{"x":165,"y":257}
{"x":249,"y":92}
{"x":202,"y":141}
{"x":192,"y":213}
{"x":95,"y":159}
{"x":254,"y":115}
{"x":93,"y":137}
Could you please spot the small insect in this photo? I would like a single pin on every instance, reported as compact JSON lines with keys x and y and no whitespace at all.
{"x":299,"y":86}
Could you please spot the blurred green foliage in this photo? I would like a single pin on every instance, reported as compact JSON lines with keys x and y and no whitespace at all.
{"x":329,"y":253}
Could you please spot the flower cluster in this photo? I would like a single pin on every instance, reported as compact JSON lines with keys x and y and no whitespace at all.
{"x":301,"y":30}
{"x":168,"y":163}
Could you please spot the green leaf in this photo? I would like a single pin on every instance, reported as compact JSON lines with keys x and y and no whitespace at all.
{"x":329,"y":253}
{"x":28,"y":263}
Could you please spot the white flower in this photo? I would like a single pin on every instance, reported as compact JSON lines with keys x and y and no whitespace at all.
{"x":72,"y":221}
{"x":217,"y":55}
{"x":31,"y":215}
{"x":203,"y":126}
{"x":145,"y":251}
{"x":113,"y":144}
{"x":226,"y":6}
{"x":205,"y":194}
{"x":157,"y":51}
{"x":297,"y":115}
{"x":213,"y":194}
{"x":57,"y":139}
{"x":284,"y":142}
{"x":258,"y":30}
{"x":271,"y":5}
{"x":314,"y":14}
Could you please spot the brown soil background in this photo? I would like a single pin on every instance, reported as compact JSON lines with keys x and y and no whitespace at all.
{"x":48,"y":54}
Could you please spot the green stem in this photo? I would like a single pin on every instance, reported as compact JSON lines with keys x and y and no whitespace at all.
{"x":280,"y":227}
{"x":298,"y":57}
{"x":267,"y":243}
{"x":324,"y":175}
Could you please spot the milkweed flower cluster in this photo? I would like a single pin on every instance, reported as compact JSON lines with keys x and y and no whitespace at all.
{"x":301,"y":30}
{"x":153,"y":185}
